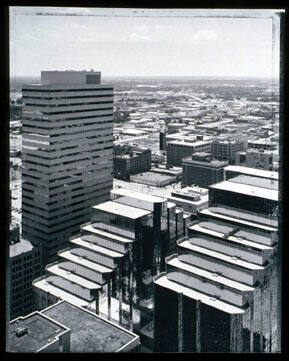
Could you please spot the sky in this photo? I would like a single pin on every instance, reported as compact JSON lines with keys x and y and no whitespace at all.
{"x":119,"y":45}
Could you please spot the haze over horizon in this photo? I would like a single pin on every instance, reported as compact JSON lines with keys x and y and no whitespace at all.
{"x":140,"y":46}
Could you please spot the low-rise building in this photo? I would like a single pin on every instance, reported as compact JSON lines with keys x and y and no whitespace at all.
{"x":200,"y":169}
{"x":225,"y":148}
{"x":64,"y":327}
{"x":153,"y":179}
{"x":255,"y":158}
{"x":179,"y":149}
{"x":128,"y":161}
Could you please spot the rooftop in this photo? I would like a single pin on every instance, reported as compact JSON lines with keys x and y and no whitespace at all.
{"x":247,"y":189}
{"x":89,"y":227}
{"x":90,"y":332}
{"x":122,"y":210}
{"x":229,"y":259}
{"x":240,"y":214}
{"x":256,"y":181}
{"x":163,"y":281}
{"x":41,"y":331}
{"x":59,"y":293}
{"x":20,"y":247}
{"x":209,"y":275}
{"x":137,"y":195}
{"x":189,"y":144}
{"x":157,"y":177}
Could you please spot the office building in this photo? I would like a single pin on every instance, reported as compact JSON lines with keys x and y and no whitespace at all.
{"x":109,"y":266}
{"x":179,"y":149}
{"x":25,"y":264}
{"x":252,"y":194}
{"x":190,"y":199}
{"x":67,"y":155}
{"x":263,"y":143}
{"x":64,"y":327}
{"x":225,"y":148}
{"x":232,"y":171}
{"x":201,"y":170}
{"x":221,"y":287}
{"x":162,"y":140}
{"x":130,"y":161}
{"x":255,"y":158}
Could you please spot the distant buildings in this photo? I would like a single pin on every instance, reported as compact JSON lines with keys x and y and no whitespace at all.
{"x":67,"y":155}
{"x":128,"y":161}
{"x":220,"y":289}
{"x":225,"y":148}
{"x":261,"y":159}
{"x":200,"y":169}
{"x":177,"y":150}
{"x":262,"y":143}
{"x":64,"y":327}
{"x":109,"y":266}
{"x":171,"y":171}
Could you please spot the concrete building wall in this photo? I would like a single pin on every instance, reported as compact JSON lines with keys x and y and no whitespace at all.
{"x":67,"y":156}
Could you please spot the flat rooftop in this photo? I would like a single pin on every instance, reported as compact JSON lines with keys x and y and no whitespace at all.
{"x":256,"y":181}
{"x":41,"y":331}
{"x":189,"y":144}
{"x":88,"y":242}
{"x":229,"y":259}
{"x":209,"y":275}
{"x":57,"y":270}
{"x":152,"y":176}
{"x":137,"y":195}
{"x":73,"y":256}
{"x":208,"y":300}
{"x":100,"y":232}
{"x":43,"y":285}
{"x":20,"y":247}
{"x":90,"y":332}
{"x":122,"y":210}
{"x":247,"y":189}
{"x":241,"y":215}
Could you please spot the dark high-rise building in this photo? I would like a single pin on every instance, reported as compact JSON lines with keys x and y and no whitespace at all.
{"x":67,"y":155}
{"x":109,"y":266}
{"x":201,"y":170}
{"x":25,"y":264}
{"x":221,"y":287}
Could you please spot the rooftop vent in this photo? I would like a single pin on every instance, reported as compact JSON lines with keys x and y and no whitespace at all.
{"x":21,"y":331}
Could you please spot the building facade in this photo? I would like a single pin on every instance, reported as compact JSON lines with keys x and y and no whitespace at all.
{"x":260,"y":159}
{"x":177,"y":150}
{"x":110,"y":265}
{"x":25,"y":264}
{"x":67,"y":155}
{"x":137,"y":160}
{"x":221,"y":287}
{"x":201,"y":170}
{"x":226,"y":148}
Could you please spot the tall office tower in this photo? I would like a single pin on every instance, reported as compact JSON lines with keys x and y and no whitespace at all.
{"x":110,"y":264}
{"x":67,"y":155}
{"x":221,"y":287}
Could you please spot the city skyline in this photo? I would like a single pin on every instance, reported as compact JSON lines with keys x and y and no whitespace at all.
{"x":122,"y":42}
